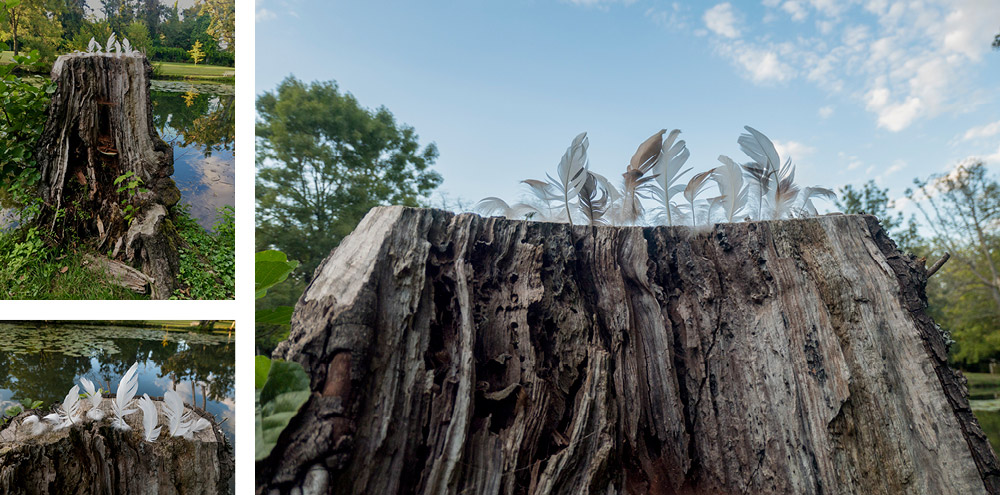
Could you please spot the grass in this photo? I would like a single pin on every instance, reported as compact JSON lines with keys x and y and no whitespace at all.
{"x":176,"y":70}
{"x":982,"y":380}
{"x":32,"y":268}
{"x":54,"y":273}
{"x":6,"y":57}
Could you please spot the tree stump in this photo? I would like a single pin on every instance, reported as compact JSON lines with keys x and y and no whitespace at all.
{"x":92,"y":457}
{"x":100,"y":128}
{"x":457,"y":354}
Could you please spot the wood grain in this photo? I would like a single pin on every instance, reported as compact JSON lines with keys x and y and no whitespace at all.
{"x":496,"y":356}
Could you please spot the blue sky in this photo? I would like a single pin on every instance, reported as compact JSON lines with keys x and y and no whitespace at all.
{"x":852,"y":90}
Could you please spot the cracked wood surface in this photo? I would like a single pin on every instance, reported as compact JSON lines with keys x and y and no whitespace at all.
{"x":93,"y":457}
{"x":457,"y":354}
{"x":100,"y":127}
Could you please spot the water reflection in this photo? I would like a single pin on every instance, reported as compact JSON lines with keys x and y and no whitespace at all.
{"x":43,"y":362}
{"x":198,"y":120}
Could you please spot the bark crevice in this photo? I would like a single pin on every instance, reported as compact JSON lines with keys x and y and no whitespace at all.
{"x":513,"y":357}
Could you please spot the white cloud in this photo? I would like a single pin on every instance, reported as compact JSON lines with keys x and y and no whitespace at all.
{"x":903,"y":60}
{"x":855,"y":164}
{"x":674,"y":18}
{"x":793,"y":149}
{"x":721,"y":20}
{"x":795,"y":9}
{"x":982,"y":131}
{"x":993,"y":158}
{"x":826,"y":112}
{"x":263,"y":14}
{"x":763,"y":65}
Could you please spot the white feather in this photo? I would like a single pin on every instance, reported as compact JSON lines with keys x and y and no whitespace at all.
{"x":93,"y":46}
{"x":818,"y":192}
{"x":672,"y":157}
{"x":36,"y":427}
{"x":126,"y":46}
{"x":178,"y":423}
{"x":110,"y":43}
{"x":199,"y":425}
{"x":733,"y":194}
{"x":127,"y":388}
{"x":695,"y":186}
{"x":572,"y":172}
{"x":149,"y":418}
{"x":67,"y":412}
{"x":94,"y":395}
{"x":758,"y":147}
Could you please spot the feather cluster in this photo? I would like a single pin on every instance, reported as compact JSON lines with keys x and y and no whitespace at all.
{"x":180,"y":422}
{"x":112,"y":47}
{"x":761,"y":189}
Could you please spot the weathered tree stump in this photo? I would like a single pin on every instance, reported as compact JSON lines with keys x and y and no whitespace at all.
{"x":95,"y":458}
{"x":456,"y":354}
{"x":99,"y":128}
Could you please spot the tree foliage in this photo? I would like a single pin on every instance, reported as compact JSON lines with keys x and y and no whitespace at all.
{"x":323,"y":161}
{"x":873,"y":200}
{"x":962,"y":209}
{"x":223,"y":24}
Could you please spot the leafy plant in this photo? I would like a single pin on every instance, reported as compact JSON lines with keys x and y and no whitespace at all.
{"x":762,"y":189}
{"x":11,"y":411}
{"x":207,"y":259}
{"x":281,"y":388}
{"x":129,"y":185}
{"x":22,"y":116}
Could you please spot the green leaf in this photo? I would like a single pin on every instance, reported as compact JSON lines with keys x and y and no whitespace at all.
{"x":279,"y":400}
{"x":262,"y":365}
{"x":270,"y":268}
{"x":281,"y":315}
{"x":13,"y":411}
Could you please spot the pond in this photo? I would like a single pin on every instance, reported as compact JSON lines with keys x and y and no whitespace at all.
{"x":985,"y":405}
{"x":198,"y":120}
{"x":43,"y":361}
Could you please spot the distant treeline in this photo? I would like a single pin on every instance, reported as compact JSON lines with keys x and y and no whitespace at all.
{"x":165,"y":33}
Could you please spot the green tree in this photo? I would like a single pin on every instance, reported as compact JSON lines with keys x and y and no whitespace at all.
{"x":223,"y":21}
{"x":962,"y":208}
{"x":31,"y":25}
{"x":874,"y":200}
{"x":138,"y":34}
{"x":323,"y":161}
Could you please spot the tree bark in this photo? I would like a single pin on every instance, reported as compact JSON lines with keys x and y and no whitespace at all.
{"x":95,"y":458}
{"x":457,"y":354}
{"x":99,"y":128}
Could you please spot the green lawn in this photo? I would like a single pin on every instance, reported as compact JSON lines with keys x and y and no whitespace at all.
{"x":201,"y":71}
{"x":982,"y":380}
{"x":6,"y":57}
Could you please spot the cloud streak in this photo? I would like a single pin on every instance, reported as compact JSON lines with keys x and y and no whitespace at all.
{"x":902,"y":62}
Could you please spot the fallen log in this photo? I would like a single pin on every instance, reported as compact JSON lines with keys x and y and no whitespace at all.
{"x":457,"y":354}
{"x":119,"y":273}
{"x":105,"y":172}
{"x":92,"y":457}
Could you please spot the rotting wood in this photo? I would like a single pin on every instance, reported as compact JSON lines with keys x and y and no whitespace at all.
{"x":99,"y":128}
{"x":496,"y":356}
{"x":119,"y":273}
{"x":95,"y":458}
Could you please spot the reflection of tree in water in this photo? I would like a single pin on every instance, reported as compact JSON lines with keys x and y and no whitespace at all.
{"x":179,"y":361}
{"x":47,"y":376}
{"x":195,"y":119}
{"x":40,"y":376}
